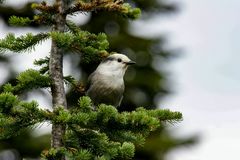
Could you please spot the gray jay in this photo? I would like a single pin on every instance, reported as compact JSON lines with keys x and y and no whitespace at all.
{"x":106,"y":84}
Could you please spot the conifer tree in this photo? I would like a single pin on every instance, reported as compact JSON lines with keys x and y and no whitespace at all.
{"x":79,"y":132}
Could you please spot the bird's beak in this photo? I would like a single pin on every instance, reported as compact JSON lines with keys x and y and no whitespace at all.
{"x":130,"y":63}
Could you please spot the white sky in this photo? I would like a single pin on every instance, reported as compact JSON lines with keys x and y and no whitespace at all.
{"x":206,"y":77}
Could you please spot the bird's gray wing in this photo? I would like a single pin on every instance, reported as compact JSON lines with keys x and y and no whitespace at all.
{"x":89,"y":82}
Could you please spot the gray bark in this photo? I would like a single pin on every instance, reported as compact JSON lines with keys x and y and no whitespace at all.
{"x":56,"y":74}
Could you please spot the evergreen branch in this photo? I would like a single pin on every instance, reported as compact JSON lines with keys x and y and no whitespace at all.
{"x":106,"y":5}
{"x":132,"y":126}
{"x":22,"y":43}
{"x":30,"y":79}
{"x":126,"y":151}
{"x":19,"y":21}
{"x":102,"y":129}
{"x":28,"y":114}
{"x":70,"y":80}
{"x":42,"y":61}
{"x":47,"y":13}
{"x":81,"y":40}
{"x":54,"y":153}
{"x":7,"y":129}
{"x":44,"y":8}
{"x":44,"y":19}
{"x":8,"y":88}
{"x":63,"y":40}
{"x":44,"y":70}
{"x":12,"y":106}
{"x":40,"y":19}
{"x":127,"y":136}
{"x":7,"y":102}
{"x":16,"y":115}
{"x":91,"y":46}
{"x":139,"y":121}
{"x":84,"y":105}
{"x":101,"y":132}
{"x":44,"y":64}
{"x":72,"y":27}
{"x":163,"y":115}
{"x":82,"y":154}
{"x":98,"y":144}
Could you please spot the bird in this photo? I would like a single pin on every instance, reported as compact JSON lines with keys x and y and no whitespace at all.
{"x":106,"y":83}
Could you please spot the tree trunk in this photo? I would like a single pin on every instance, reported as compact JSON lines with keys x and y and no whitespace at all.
{"x":56,"y":74}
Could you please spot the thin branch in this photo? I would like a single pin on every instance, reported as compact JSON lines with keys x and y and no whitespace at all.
{"x":108,"y":5}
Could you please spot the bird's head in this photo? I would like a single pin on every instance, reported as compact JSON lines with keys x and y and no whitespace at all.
{"x":115,"y":64}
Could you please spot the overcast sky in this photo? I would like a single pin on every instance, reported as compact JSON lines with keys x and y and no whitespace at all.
{"x":206,"y":78}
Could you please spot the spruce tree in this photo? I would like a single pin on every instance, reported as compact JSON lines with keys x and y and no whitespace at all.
{"x":79,"y":132}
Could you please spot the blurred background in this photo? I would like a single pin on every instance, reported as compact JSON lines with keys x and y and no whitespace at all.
{"x":187,"y":60}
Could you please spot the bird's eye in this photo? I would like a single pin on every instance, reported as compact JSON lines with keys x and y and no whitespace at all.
{"x":119,"y":60}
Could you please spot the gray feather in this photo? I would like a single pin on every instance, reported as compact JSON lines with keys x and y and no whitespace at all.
{"x":101,"y":90}
{"x":106,"y":84}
